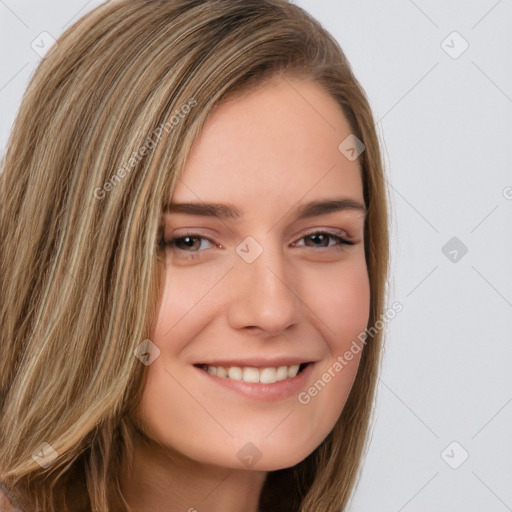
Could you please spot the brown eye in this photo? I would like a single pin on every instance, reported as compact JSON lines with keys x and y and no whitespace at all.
{"x":322,"y":239}
{"x":318,"y":239}
{"x":188,"y":245}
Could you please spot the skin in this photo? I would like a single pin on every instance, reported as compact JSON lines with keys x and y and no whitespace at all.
{"x":266,"y":152}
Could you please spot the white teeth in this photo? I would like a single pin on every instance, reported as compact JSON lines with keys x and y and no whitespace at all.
{"x":293,"y":370}
{"x":235,"y":373}
{"x":282,"y":373}
{"x":250,"y":374}
{"x":221,"y":372}
{"x":268,"y":375}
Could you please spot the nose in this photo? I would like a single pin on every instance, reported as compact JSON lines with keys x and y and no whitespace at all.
{"x":262,"y":297}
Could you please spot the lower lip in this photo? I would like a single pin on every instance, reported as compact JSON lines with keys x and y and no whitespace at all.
{"x":270,"y":392}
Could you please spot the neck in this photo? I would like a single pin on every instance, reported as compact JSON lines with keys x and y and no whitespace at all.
{"x":162,"y":479}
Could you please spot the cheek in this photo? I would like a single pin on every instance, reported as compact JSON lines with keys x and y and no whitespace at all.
{"x":344,"y":308}
{"x":347,"y":314}
{"x":334,"y":304}
{"x":184,"y":306}
{"x":342,"y":303}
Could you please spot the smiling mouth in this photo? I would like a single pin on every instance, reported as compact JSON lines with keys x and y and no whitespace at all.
{"x":266,"y":375}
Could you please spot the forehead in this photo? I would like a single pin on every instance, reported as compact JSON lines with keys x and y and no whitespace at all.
{"x":278,"y":143}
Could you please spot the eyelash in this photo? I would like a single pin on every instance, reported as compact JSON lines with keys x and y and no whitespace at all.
{"x":340,"y":241}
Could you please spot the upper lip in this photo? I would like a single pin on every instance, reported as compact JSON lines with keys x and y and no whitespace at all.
{"x":257,"y":362}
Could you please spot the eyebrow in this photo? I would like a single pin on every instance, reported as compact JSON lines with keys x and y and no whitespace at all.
{"x":227,"y":211}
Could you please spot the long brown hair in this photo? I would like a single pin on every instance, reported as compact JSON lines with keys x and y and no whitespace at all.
{"x":80,"y":221}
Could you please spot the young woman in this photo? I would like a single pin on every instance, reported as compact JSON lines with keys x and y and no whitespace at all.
{"x":193,"y":267}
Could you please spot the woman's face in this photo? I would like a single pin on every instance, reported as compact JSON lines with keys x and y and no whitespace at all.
{"x":260,"y":284}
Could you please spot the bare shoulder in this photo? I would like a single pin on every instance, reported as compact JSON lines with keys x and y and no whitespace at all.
{"x":7,"y":502}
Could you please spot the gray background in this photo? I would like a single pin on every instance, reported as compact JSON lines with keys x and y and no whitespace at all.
{"x":444,"y":117}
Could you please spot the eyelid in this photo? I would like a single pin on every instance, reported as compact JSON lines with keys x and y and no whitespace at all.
{"x":194,"y":232}
{"x":174,"y":238}
{"x":341,"y":233}
{"x":188,"y":254}
{"x":344,"y":239}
